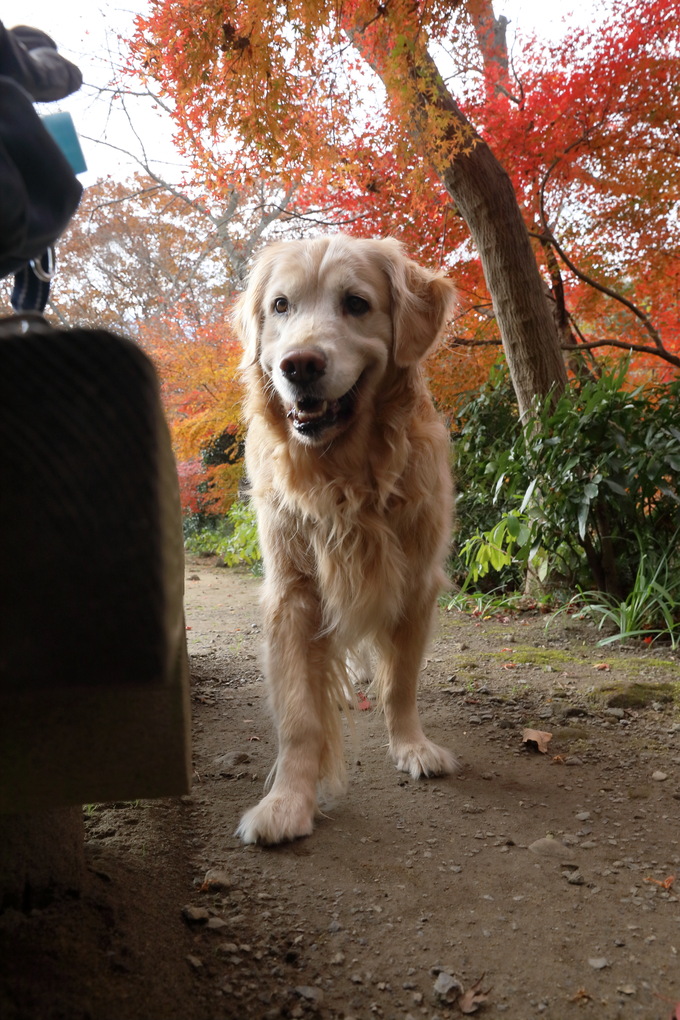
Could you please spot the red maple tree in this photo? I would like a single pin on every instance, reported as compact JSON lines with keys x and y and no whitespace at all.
{"x":585,"y":126}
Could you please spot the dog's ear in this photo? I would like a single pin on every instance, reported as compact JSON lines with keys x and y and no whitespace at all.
{"x":247,"y":318}
{"x":246,"y":321}
{"x":247,"y":313}
{"x":422,"y":302}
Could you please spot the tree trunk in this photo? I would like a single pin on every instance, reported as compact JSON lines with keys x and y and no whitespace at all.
{"x":484,"y":196}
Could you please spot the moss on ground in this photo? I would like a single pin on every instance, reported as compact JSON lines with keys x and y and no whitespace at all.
{"x":641,"y":695}
{"x":528,"y":655}
{"x":642,"y":665}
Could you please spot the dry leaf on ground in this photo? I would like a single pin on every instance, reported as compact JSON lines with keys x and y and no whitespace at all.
{"x":537,"y":740}
{"x":666,"y":883}
{"x":470,"y":1001}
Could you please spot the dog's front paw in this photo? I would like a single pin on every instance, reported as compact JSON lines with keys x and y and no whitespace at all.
{"x":278,"y":818}
{"x":423,"y":758}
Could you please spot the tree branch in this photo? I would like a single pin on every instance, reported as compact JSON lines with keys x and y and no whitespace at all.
{"x":626,"y":345}
{"x":603,"y":289}
{"x":549,"y":237}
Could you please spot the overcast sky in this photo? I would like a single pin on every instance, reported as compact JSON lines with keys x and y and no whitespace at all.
{"x":86,"y":32}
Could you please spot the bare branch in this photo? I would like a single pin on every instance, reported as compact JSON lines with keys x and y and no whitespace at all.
{"x":626,"y":345}
{"x":603,"y":289}
{"x":463,"y":341}
{"x":549,"y":237}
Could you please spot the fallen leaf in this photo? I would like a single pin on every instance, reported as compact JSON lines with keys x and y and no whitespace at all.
{"x":536,"y":740}
{"x":363,"y":703}
{"x":508,"y":665}
{"x":604,"y":666}
{"x":581,"y":996}
{"x":471,"y":1000}
{"x":665,"y":883}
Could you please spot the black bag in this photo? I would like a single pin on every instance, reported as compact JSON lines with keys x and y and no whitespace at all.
{"x":39,"y":192}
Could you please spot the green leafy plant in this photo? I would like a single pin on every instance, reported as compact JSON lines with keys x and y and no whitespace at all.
{"x":487,"y":424}
{"x":650,"y":610}
{"x":511,"y":541}
{"x":478,"y":603}
{"x":598,"y":466}
{"x":232,"y":537}
{"x":243,"y":545}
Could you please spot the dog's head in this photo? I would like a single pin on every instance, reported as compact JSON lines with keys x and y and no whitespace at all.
{"x":326,"y":318}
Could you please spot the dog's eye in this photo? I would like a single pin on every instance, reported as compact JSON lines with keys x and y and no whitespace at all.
{"x":281,"y":305}
{"x":355,"y":305}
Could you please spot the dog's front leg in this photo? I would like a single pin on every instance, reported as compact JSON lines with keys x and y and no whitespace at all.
{"x":296,"y":666}
{"x":400,"y":662}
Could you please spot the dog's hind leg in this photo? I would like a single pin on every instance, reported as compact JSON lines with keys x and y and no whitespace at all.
{"x":397,"y":679}
{"x":305,"y":692}
{"x":360,"y":665}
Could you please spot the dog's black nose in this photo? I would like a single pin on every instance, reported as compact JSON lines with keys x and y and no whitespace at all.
{"x":303,"y":366}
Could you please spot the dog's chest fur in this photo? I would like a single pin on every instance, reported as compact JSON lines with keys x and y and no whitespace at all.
{"x":355,"y":529}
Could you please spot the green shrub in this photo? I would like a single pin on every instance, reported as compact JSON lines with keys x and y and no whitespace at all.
{"x":487,"y":425}
{"x":232,"y":537}
{"x":580,"y":496}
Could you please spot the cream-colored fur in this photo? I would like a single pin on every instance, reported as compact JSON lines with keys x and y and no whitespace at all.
{"x":349,"y":468}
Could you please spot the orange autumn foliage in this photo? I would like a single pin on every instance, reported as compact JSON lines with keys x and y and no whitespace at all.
{"x":274,"y":100}
{"x":200,"y":388}
{"x":586,"y":127}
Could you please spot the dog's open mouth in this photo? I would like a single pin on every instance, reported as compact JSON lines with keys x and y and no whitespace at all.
{"x":313,"y":416}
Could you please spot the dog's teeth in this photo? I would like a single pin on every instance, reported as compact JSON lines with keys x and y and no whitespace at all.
{"x":304,"y":414}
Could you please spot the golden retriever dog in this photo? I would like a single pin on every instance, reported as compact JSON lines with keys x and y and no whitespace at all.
{"x":349,"y":471}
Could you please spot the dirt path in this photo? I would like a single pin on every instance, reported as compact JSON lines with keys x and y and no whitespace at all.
{"x":542,"y":872}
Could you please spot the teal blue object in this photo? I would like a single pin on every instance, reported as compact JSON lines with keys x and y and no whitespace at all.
{"x":62,"y":129}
